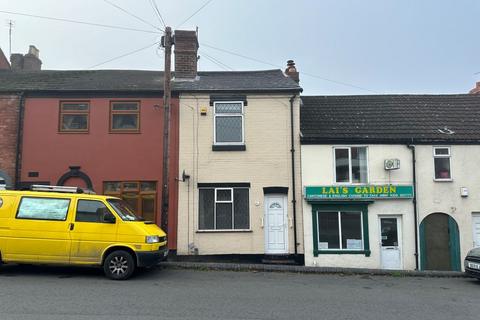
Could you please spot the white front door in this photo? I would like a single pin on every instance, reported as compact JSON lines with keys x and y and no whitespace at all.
{"x":390,"y":243}
{"x":276,"y":224}
{"x":476,"y":230}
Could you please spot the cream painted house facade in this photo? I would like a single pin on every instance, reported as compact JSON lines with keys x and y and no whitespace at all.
{"x":342,"y":230}
{"x":407,"y":163}
{"x":237,"y":196}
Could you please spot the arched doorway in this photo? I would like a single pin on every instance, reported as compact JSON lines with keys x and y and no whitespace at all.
{"x":75,"y":178}
{"x":439,"y":243}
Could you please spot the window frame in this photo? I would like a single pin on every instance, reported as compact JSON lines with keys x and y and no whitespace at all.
{"x":339,"y":215}
{"x":124,"y":112}
{"x":37,"y":219}
{"x":216,"y":115}
{"x":61,"y":113}
{"x":342,"y":207}
{"x":449,"y":157}
{"x":232,"y":201}
{"x":349,"y":148}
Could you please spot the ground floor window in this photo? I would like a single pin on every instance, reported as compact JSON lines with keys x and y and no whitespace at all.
{"x":140,"y":195}
{"x":223,"y":208}
{"x":340,"y":228}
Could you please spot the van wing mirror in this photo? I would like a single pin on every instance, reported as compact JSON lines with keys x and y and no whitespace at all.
{"x":108,"y":217}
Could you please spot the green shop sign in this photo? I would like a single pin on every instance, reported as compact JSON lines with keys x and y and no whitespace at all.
{"x":336,"y":192}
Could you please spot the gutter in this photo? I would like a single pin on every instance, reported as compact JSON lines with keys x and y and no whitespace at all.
{"x":294,"y":199}
{"x":415,"y":211}
{"x":21,"y":109}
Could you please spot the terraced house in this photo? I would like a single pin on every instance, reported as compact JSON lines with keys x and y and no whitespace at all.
{"x":390,"y":181}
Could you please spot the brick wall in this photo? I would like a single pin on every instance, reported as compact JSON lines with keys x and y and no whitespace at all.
{"x":476,"y":90}
{"x":186,"y":46}
{"x":9,"y":109}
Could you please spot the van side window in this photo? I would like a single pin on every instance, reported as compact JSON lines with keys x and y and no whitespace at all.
{"x":90,"y":211}
{"x":43,"y":208}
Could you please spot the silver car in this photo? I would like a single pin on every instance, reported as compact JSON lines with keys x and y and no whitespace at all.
{"x":472,"y":263}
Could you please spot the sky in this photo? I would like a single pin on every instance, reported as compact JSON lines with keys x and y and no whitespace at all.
{"x":341,"y":47}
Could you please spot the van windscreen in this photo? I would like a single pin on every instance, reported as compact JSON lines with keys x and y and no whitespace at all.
{"x":124,"y":210}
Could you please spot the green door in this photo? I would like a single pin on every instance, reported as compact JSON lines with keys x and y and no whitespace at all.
{"x":439,"y":243}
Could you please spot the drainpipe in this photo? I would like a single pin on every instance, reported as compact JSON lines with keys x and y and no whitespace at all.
{"x":412,"y":148}
{"x":294,"y":198}
{"x":21,"y":107}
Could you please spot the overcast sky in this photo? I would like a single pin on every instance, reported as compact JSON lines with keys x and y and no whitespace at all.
{"x":386,"y":46}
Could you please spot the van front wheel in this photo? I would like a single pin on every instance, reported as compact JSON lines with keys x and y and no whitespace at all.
{"x":119,"y":265}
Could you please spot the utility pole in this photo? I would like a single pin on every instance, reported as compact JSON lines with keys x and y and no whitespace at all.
{"x":167,"y":42}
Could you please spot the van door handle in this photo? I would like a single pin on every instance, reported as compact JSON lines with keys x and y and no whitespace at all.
{"x":71,"y":226}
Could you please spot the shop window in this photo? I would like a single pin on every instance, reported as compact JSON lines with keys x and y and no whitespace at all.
{"x":351,"y":165}
{"x":224,"y":209}
{"x":141,"y":196}
{"x":43,"y":209}
{"x":74,"y":116}
{"x":340,"y":229}
{"x":125,"y":116}
{"x":229,"y":123}
{"x":441,"y":158}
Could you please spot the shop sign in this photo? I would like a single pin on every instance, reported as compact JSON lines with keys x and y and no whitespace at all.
{"x":336,"y":192}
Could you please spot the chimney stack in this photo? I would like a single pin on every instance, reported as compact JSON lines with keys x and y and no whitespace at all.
{"x":291,"y":71}
{"x":186,"y":47}
{"x":476,"y":90}
{"x":28,"y":62}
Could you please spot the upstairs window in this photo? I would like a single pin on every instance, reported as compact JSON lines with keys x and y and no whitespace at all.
{"x":74,"y":116}
{"x":228,"y":123}
{"x":441,"y":159}
{"x":125,"y":116}
{"x":351,"y":165}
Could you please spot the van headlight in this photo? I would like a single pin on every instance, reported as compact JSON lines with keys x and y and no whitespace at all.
{"x":152,"y":239}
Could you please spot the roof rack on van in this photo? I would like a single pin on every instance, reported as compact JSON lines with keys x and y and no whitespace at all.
{"x":3,"y":187}
{"x":45,"y":188}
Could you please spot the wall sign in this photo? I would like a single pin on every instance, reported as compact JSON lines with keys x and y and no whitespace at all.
{"x":337,"y":192}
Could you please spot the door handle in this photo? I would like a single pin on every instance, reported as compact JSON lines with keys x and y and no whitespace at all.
{"x":71,"y":226}
{"x":263,"y":224}
{"x":290,"y":220}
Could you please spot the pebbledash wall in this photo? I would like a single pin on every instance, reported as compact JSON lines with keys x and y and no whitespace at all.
{"x":445,"y":197}
{"x":318,"y":167}
{"x":265,"y":162}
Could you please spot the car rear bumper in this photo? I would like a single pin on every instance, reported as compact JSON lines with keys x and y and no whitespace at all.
{"x":152,"y":258}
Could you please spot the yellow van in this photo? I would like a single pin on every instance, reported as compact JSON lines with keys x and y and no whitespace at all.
{"x":61,"y":225}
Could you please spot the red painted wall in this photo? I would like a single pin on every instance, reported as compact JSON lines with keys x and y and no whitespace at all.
{"x":102,"y":155}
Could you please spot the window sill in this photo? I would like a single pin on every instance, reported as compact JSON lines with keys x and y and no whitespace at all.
{"x":224,"y":231}
{"x":442,"y":180}
{"x":365,"y":252}
{"x":240,"y":147}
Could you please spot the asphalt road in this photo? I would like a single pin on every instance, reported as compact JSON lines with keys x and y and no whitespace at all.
{"x":52,"y":293}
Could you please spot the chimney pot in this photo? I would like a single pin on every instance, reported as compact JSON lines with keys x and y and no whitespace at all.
{"x":291,"y":71}
{"x":27,"y":62}
{"x":476,"y":90}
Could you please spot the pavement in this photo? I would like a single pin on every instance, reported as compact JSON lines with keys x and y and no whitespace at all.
{"x":33,"y":292}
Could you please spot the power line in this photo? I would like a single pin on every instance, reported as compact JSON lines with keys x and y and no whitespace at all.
{"x":157,"y":11}
{"x":132,"y":15}
{"x":124,"y":55}
{"x":191,"y":16}
{"x":277,"y":66}
{"x":216,"y":61}
{"x":77,"y":21}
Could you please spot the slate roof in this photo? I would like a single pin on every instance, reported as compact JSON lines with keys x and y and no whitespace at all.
{"x":138,"y":80}
{"x":390,"y":119}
